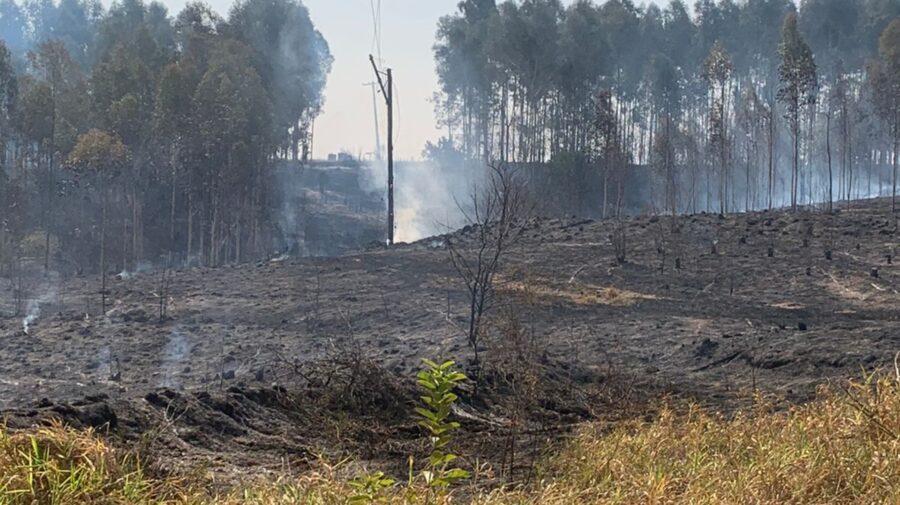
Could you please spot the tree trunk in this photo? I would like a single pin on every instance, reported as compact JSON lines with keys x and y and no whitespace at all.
{"x":135,"y":226}
{"x":123,"y":208}
{"x":849,"y":166}
{"x":771,"y":187}
{"x":172,"y":202}
{"x":894,"y":164}
{"x":795,"y":169}
{"x":103,"y":204}
{"x":828,"y":155}
{"x":49,"y":218}
{"x":213,"y":248}
{"x":190,"y":226}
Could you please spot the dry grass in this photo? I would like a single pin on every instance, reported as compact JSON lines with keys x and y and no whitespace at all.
{"x":543,"y":291}
{"x":842,"y":449}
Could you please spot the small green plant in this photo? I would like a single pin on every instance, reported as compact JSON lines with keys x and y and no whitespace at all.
{"x":370,"y":488}
{"x":439,"y":381}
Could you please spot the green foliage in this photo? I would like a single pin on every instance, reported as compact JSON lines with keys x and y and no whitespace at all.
{"x":370,"y":488}
{"x":99,"y":152}
{"x":202,"y":103}
{"x":796,"y":69}
{"x":34,"y":245}
{"x":293,"y":57}
{"x":8,"y":89}
{"x":68,"y":94}
{"x":439,"y":381}
{"x":35,"y":110}
{"x":885,"y":77}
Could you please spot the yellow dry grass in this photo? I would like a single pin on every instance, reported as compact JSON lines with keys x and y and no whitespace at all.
{"x":843,"y":448}
{"x":543,"y":291}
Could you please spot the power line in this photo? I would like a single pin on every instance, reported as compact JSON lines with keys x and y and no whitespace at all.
{"x":399,"y":120}
{"x":376,"y":27}
{"x":373,"y":85}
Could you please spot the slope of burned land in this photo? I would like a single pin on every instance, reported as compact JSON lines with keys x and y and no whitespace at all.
{"x":708,"y":308}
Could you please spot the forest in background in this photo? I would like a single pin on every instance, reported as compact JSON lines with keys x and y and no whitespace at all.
{"x":133,"y":136}
{"x":726,"y":107}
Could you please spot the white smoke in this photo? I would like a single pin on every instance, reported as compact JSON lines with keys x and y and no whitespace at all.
{"x":104,"y":370}
{"x":34,"y":311}
{"x":141,"y":268}
{"x":173,"y":356}
{"x":427,"y":198}
{"x":49,"y":292}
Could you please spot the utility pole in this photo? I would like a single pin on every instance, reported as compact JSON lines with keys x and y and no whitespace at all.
{"x":388,"y":92}
{"x":375,"y":110}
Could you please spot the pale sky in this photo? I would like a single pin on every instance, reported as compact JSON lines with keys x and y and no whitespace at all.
{"x":408,"y":28}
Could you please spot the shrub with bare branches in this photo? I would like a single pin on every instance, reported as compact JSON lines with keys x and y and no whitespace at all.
{"x":495,"y":216}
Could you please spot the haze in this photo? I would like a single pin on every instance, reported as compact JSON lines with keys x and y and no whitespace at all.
{"x":408,"y":28}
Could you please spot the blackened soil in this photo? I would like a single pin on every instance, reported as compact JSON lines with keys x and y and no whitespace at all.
{"x":707,"y":307}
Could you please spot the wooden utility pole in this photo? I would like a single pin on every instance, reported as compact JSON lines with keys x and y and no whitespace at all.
{"x":388,"y":93}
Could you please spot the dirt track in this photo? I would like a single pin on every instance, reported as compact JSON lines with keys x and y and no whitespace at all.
{"x":732,"y":317}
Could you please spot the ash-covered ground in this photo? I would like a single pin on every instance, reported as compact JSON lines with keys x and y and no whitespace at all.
{"x":709,"y":309}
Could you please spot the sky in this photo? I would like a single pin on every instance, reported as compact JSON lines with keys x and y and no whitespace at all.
{"x":407,"y":35}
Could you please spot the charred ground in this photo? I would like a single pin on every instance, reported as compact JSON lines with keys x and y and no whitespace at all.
{"x":252,"y":363}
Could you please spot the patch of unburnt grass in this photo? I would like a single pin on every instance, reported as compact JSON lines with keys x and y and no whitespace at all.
{"x":840,"y":448}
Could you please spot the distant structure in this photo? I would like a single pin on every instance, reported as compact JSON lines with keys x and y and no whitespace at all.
{"x":340,"y":157}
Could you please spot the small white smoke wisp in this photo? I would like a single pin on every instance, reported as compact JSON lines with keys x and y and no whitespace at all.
{"x":49,"y":292}
{"x":142,"y":267}
{"x":173,"y":356}
{"x":34,"y":311}
{"x":104,"y":357}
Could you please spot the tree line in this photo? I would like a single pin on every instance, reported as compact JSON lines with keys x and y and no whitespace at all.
{"x":130,"y":135}
{"x":733,"y":106}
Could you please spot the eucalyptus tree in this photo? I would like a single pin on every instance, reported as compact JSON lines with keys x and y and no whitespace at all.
{"x":831,"y":26}
{"x":232,"y":116}
{"x":665,"y":84}
{"x":885,"y":77}
{"x":717,"y":72}
{"x":13,"y":28}
{"x":292,"y":59}
{"x":99,"y":156}
{"x":66,"y":105}
{"x":202,"y":105}
{"x":9,"y":89}
{"x":798,"y":88}
{"x":581,"y":70}
{"x":464,"y":44}
{"x":173,"y":133}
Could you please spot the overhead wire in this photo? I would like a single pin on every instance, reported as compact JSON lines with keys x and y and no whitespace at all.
{"x":376,"y":48}
{"x":376,"y":16}
{"x":376,"y":27}
{"x":396,"y":92}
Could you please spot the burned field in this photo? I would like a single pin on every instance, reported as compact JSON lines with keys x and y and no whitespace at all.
{"x":259,"y":363}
